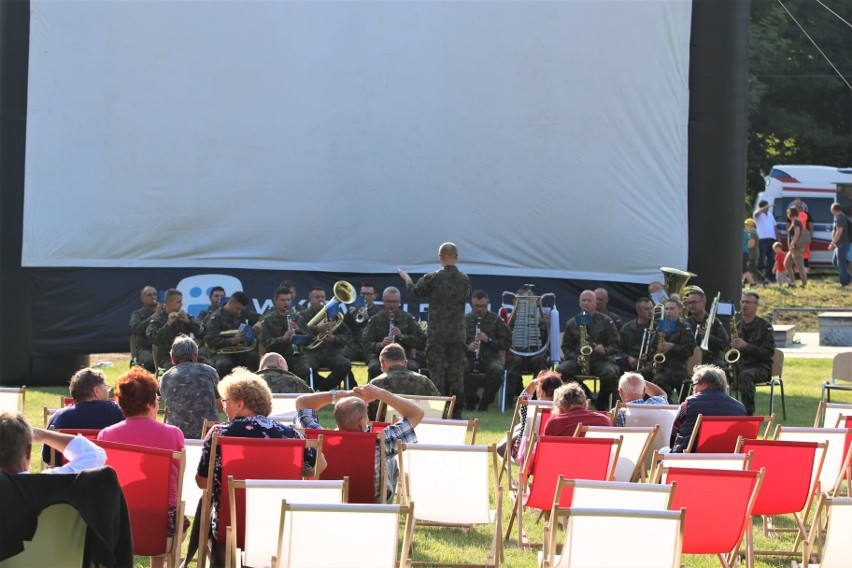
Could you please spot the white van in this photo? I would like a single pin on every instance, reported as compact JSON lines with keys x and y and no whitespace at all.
{"x":818,"y":187}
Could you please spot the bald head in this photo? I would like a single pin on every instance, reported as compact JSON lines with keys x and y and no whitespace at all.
{"x":448,"y":253}
{"x":601,"y":298}
{"x":588,"y":301}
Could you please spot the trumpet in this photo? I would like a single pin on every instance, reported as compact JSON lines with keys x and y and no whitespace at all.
{"x":361,"y":316}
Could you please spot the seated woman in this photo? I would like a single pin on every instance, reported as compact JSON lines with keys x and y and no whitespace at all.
{"x":136,"y":392}
{"x":543,"y":386}
{"x":570,"y":408}
{"x":92,"y":408}
{"x":248,"y":402}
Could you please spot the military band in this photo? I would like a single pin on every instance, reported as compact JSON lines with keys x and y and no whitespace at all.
{"x":487,"y":338}
{"x":392,"y":325}
{"x":670,"y":350}
{"x":278,"y":331}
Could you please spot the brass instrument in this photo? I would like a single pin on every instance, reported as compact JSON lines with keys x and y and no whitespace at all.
{"x":478,"y":344}
{"x":585,"y":347}
{"x":732,"y":355}
{"x":526,"y":320}
{"x":361,"y":316}
{"x":344,"y":293}
{"x":648,"y":335}
{"x":232,"y":349}
{"x":659,"y":356}
{"x":675,"y":282}
{"x":711,"y":317}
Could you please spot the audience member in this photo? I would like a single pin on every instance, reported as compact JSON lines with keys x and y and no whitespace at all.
{"x":710,"y":399}
{"x":397,"y":378}
{"x":544,"y":385}
{"x":570,"y":408}
{"x":273,"y":369}
{"x":189,"y":389}
{"x":16,"y":447}
{"x":633,"y":388}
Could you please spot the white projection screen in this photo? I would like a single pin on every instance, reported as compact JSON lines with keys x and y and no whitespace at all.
{"x":547,"y":139}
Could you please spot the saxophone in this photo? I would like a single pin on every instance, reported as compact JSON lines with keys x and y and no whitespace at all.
{"x":732,"y":355}
{"x":585,"y":348}
{"x":478,"y":344}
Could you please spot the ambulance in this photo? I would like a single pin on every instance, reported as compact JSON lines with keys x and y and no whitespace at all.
{"x":818,"y":187}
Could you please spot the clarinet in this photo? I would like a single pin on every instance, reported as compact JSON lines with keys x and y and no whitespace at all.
{"x":478,"y":345}
{"x":391,"y":336}
{"x":297,"y":350}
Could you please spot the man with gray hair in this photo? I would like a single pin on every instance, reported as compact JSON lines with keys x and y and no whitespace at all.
{"x":392,"y":325}
{"x":189,"y":389}
{"x":632,"y":389}
{"x":711,"y":398}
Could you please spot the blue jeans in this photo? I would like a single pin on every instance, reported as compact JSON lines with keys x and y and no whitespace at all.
{"x":766,"y":260}
{"x":839,"y":261}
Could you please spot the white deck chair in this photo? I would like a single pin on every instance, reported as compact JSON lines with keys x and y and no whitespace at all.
{"x":191,"y":492}
{"x":836,"y":457}
{"x":263,"y":508}
{"x":446,"y":432}
{"x":635,"y":446}
{"x":351,"y":535}
{"x":13,"y":398}
{"x":836,"y":549}
{"x":829,"y":414}
{"x":646,"y":539}
{"x":284,"y":406}
{"x":432,"y":478}
{"x":731,"y":462}
{"x":649,"y":415}
{"x":433,"y":406}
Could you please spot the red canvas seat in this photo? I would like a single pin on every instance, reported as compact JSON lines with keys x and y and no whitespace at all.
{"x":353,"y":455}
{"x":718,"y":434}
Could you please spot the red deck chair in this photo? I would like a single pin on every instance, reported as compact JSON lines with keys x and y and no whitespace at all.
{"x":377,"y":427}
{"x":718,"y":507}
{"x":88,"y":433}
{"x":144,"y":475}
{"x":247,"y":458}
{"x":718,"y":434}
{"x":792,"y":469}
{"x":554,"y":456}
{"x":353,"y":455}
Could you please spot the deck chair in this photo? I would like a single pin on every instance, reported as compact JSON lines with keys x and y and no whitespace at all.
{"x":365,"y":536}
{"x":352,"y":455}
{"x":59,"y":540}
{"x":836,"y":548}
{"x":13,"y":399}
{"x":446,"y":432}
{"x":837,"y":453}
{"x":650,"y":415}
{"x":192,"y":494}
{"x":450,"y":486}
{"x":206,"y":425}
{"x":776,"y":379}
{"x":531,"y":425}
{"x":829,"y":414}
{"x":247,"y":458}
{"x":730,"y":462}
{"x":572,"y":458}
{"x":718,"y":507}
{"x":718,"y":434}
{"x":263,"y":510}
{"x":145,"y":474}
{"x":284,"y":406}
{"x":433,"y":406}
{"x":792,"y":469}
{"x":635,"y":446}
{"x":646,"y":539}
{"x":841,"y":375}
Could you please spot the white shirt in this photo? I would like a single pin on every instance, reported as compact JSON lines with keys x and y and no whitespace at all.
{"x":765,"y":225}
{"x":81,"y":454}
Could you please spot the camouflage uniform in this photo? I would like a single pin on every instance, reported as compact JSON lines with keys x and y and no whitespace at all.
{"x":271,"y":337}
{"x":204,"y":314}
{"x":399,"y":380}
{"x":615,"y":319}
{"x":448,"y":290}
{"x":281,"y":381}
{"x":755,"y":364}
{"x":673,"y":372}
{"x":491,"y":358}
{"x":218,"y":322}
{"x":719,"y":342}
{"x":163,"y":335}
{"x":601,"y":332}
{"x":327,"y":355}
{"x":376,"y":331}
{"x":631,"y":335}
{"x":189,"y":392}
{"x":138,"y":326}
{"x":355,"y":349}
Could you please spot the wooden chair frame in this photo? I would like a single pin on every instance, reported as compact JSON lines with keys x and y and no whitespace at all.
{"x":695,"y":439}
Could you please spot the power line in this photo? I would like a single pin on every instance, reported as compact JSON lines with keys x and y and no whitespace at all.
{"x":839,"y":17}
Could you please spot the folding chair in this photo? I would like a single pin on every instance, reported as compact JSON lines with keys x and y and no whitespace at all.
{"x":730,"y":462}
{"x":651,"y":415}
{"x":836,"y":549}
{"x":433,"y":406}
{"x":646,"y":539}
{"x":365,"y":536}
{"x":263,"y":509}
{"x":792,"y":469}
{"x":718,"y":434}
{"x":552,"y":456}
{"x":841,"y":370}
{"x":829,"y":414}
{"x":776,"y":379}
{"x":13,"y":398}
{"x":206,"y":425}
{"x":635,"y":445}
{"x":192,"y":494}
{"x":530,"y":425}
{"x":145,"y":476}
{"x":446,"y":432}
{"x":450,"y":485}
{"x":284,"y":406}
{"x":352,"y":455}
{"x":837,"y":453}
{"x":246,"y":458}
{"x":718,"y":506}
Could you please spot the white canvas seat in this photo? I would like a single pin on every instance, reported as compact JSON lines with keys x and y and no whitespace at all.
{"x":731,"y":462}
{"x":191,"y":492}
{"x":13,"y":398}
{"x":836,"y":549}
{"x":829,"y":414}
{"x":836,"y":456}
{"x":650,"y":415}
{"x":350,"y":535}
{"x":635,"y":446}
{"x":646,"y":539}
{"x":283,"y":406}
{"x":450,"y":486}
{"x":446,"y":432}
{"x":263,"y":508}
{"x":433,"y":406}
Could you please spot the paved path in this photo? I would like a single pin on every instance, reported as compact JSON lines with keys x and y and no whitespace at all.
{"x":806,"y":346}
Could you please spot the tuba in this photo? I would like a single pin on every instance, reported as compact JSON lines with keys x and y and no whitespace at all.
{"x":674,"y":281}
{"x":344,"y":293}
{"x":232,"y":349}
{"x":525,"y":321}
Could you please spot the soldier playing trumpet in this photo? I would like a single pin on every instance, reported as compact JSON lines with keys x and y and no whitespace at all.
{"x":356,"y":320}
{"x":696,"y":303}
